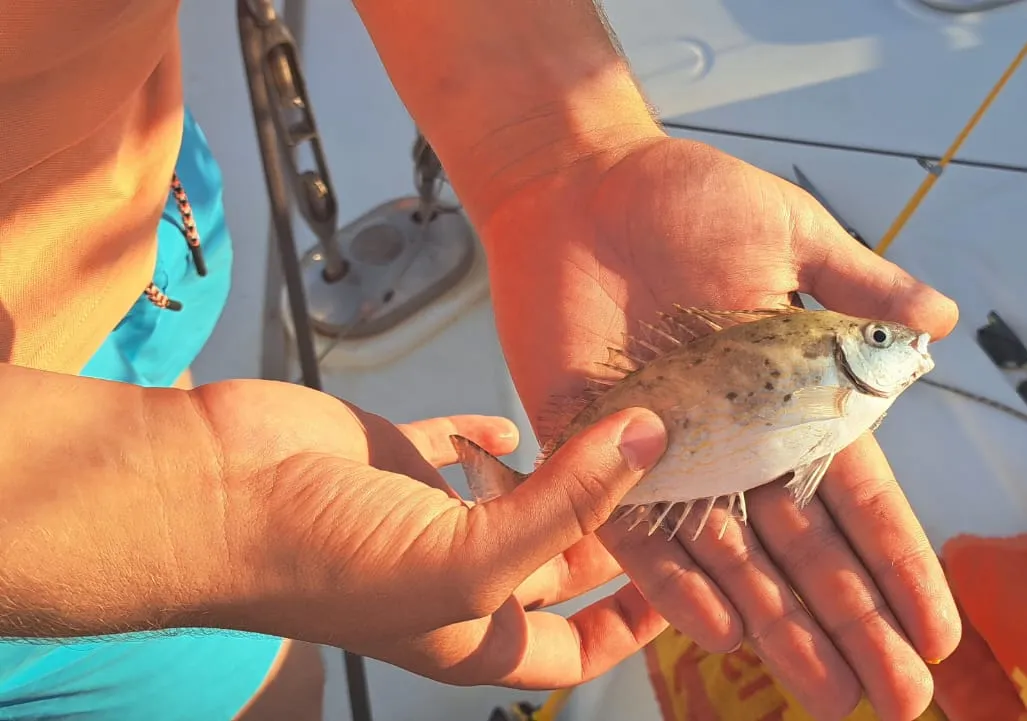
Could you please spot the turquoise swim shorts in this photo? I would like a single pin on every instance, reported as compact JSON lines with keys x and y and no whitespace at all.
{"x":204,"y":676}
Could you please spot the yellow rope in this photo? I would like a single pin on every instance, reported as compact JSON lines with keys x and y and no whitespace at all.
{"x":553,"y":706}
{"x":931,"y":178}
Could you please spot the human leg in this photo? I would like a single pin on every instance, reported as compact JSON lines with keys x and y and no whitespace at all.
{"x":293,"y":689}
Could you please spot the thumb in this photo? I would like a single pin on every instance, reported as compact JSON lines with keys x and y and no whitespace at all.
{"x":847,"y":277}
{"x":570,"y":495}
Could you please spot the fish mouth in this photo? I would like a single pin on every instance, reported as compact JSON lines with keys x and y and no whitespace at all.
{"x":921,"y":343}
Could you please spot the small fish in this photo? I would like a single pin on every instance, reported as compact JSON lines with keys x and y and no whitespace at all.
{"x":747,"y":398}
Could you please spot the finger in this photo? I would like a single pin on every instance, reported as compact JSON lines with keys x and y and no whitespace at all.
{"x":842,"y":595}
{"x":570,"y":651}
{"x":672,"y":582}
{"x":849,"y":278}
{"x":499,"y":436}
{"x":971,"y":685}
{"x":566,"y":499}
{"x":868,"y":505}
{"x":542,"y":650}
{"x":418,"y":449}
{"x":583,"y":567}
{"x":795,"y":648}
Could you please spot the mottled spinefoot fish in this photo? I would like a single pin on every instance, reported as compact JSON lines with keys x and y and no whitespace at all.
{"x":747,"y":398}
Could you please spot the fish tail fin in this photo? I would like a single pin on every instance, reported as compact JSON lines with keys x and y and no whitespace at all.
{"x":487,"y":476}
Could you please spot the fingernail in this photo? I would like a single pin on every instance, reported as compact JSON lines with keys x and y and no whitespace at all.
{"x":642,"y":441}
{"x":934,"y":661}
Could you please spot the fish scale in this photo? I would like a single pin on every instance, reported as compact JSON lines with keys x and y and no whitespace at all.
{"x":747,"y":398}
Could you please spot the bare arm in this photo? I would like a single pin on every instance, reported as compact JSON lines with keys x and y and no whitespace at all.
{"x":506,"y":90}
{"x":112,"y":515}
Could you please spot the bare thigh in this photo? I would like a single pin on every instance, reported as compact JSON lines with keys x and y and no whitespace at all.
{"x":293,"y":689}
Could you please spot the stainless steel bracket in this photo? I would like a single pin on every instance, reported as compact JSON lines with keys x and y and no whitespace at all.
{"x":396,"y":266}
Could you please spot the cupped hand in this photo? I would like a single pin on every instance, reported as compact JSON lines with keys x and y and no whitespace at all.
{"x":350,"y":537}
{"x":580,"y":256}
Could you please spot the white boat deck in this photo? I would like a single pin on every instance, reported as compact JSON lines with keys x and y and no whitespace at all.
{"x":850,"y":92}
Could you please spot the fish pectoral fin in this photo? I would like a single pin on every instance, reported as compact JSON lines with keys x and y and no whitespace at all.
{"x":807,"y":478}
{"x":487,"y":476}
{"x":821,"y":403}
{"x":810,"y":405}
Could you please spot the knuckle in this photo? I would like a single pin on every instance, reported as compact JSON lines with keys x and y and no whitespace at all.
{"x":812,"y":547}
{"x":589,"y":499}
{"x":856,"y":623}
{"x":747,"y":556}
{"x":873,"y":497}
{"x":896,"y":295}
{"x":484,"y":580}
{"x":911,"y":564}
{"x":467,"y":604}
{"x":485,"y":601}
{"x":763,"y":634}
{"x":668,"y":586}
{"x":476,"y":596}
{"x":475,"y":607}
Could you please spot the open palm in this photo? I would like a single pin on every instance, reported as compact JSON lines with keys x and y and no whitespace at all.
{"x":342,"y":531}
{"x":579,"y":259}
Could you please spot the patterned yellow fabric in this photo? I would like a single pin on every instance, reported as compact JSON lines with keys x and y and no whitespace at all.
{"x":693,"y":685}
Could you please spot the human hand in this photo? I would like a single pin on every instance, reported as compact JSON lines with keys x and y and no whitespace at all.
{"x":346,"y":534}
{"x":582,"y":254}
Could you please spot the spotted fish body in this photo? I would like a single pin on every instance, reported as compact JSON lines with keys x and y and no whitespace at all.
{"x":747,"y":397}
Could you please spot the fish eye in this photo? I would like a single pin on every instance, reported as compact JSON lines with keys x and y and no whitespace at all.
{"x":878,"y":335}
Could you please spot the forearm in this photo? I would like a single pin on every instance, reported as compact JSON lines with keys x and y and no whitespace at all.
{"x":509,"y":90}
{"x":109,"y":519}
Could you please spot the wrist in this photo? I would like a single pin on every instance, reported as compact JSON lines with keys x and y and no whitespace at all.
{"x":508,"y":92}
{"x":270,"y":482}
{"x":580,"y":130}
{"x":208,"y":524}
